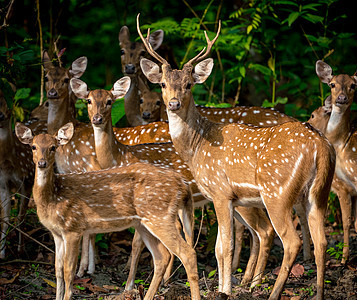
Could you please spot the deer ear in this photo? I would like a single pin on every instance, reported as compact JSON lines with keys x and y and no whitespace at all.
{"x":324,"y":71}
{"x":79,"y":88}
{"x":151,"y":70}
{"x":78,"y":67}
{"x":65,"y":133}
{"x":124,"y":35}
{"x":156,"y":39}
{"x":23,"y":133}
{"x":202,"y":70}
{"x":121,"y":87}
{"x":47,"y":64}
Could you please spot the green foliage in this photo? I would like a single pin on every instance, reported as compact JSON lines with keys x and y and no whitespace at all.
{"x":337,"y":251}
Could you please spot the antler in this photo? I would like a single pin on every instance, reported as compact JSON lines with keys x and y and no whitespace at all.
{"x":148,"y":45}
{"x":210,"y":43}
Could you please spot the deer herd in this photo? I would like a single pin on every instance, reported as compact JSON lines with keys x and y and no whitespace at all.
{"x":255,"y":164}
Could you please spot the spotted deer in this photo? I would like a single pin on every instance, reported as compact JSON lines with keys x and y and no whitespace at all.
{"x":130,"y":61}
{"x":235,"y":164}
{"x":334,"y":120}
{"x":111,"y":153}
{"x":143,"y":196}
{"x":16,"y":173}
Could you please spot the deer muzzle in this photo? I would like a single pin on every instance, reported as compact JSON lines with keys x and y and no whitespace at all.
{"x":42,"y":164}
{"x":341,"y":99}
{"x":97,"y":119}
{"x":52,"y":94}
{"x":146,"y":115}
{"x":174,"y":104}
{"x":129,"y":69}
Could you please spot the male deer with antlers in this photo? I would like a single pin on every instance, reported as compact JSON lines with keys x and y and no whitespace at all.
{"x":333,"y":119}
{"x":143,"y":196}
{"x":235,"y":164}
{"x":111,"y":153}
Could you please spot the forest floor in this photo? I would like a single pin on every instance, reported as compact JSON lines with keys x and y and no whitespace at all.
{"x":31,"y":275}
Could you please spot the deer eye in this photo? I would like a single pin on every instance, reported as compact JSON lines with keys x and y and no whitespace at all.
{"x":109,"y":102}
{"x":46,"y":78}
{"x":142,"y":53}
{"x":122,"y":52}
{"x":53,"y":148}
{"x":353,"y":86}
{"x":66,"y":80}
{"x":332,"y":85}
{"x":312,"y":116}
{"x":141,"y":101}
{"x":158,"y":103}
{"x":33,"y":147}
{"x":89,"y":101}
{"x":188,"y":86}
{"x":163,"y":85}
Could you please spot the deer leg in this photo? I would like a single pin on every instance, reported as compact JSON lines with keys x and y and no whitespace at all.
{"x":59,"y":244}
{"x":354,"y":203}
{"x":224,"y":244}
{"x":316,"y":218}
{"x":238,"y":240}
{"x":284,"y":227}
{"x":167,"y":233}
{"x":84,"y":256}
{"x":306,"y":246}
{"x":5,"y":214}
{"x":137,"y":247}
{"x":161,"y":257}
{"x":71,"y":250}
{"x":346,"y":210}
{"x":91,"y":254}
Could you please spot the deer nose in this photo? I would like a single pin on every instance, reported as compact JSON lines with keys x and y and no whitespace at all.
{"x":146,"y":115}
{"x":52,"y":93}
{"x":97,"y":119}
{"x":129,"y":69}
{"x":42,"y":164}
{"x":174,"y":104}
{"x":342,"y":99}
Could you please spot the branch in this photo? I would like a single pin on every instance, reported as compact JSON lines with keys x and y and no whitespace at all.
{"x":7,"y":16}
{"x":41,"y":48}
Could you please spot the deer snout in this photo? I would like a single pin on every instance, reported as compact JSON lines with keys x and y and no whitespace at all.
{"x":52,"y":94}
{"x":42,"y":163}
{"x":129,"y":69}
{"x":97,"y":119}
{"x":146,"y":115}
{"x":174,"y":104}
{"x":342,"y":99}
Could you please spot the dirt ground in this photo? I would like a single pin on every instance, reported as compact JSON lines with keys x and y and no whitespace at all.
{"x":31,"y":275}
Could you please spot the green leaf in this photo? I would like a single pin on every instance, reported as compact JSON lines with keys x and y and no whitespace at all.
{"x":262,"y":69}
{"x":267,"y":103}
{"x":22,"y":93}
{"x":281,"y":100}
{"x":313,"y":18}
{"x":249,"y":29}
{"x":118,"y":111}
{"x":242,"y":71}
{"x":292,"y":17}
{"x":211,"y":274}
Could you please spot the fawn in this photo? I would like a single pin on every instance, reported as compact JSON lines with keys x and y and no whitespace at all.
{"x":140,"y":195}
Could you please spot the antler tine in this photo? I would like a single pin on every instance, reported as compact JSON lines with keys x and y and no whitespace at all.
{"x":147,"y":45}
{"x":210,"y":43}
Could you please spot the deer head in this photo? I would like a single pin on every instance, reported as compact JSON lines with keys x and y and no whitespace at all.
{"x":100,"y":101}
{"x":342,"y":86}
{"x":131,"y":52}
{"x":44,"y":145}
{"x":57,"y":78}
{"x":176,"y":84}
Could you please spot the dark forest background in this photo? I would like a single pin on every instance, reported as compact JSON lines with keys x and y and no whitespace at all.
{"x":265,"y":55}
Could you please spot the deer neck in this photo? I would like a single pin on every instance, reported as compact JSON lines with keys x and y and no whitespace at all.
{"x":338,"y":127}
{"x":60,"y":112}
{"x":132,"y":104}
{"x":44,"y":187}
{"x":189,"y":129}
{"x":106,"y":145}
